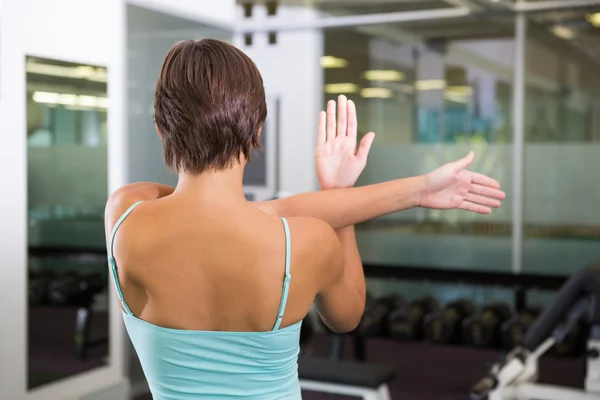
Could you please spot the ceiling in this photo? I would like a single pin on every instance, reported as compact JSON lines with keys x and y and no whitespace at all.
{"x":565,"y":25}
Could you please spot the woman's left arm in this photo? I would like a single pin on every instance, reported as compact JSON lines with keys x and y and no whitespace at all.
{"x":339,"y":165}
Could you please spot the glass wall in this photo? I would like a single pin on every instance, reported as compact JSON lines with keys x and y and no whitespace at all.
{"x":562,"y":144}
{"x":430,"y":102}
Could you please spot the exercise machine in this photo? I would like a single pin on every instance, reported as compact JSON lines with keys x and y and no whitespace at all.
{"x":515,"y":377}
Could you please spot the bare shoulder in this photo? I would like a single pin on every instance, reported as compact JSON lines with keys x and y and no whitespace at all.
{"x":317,"y":245}
{"x":122,"y":199}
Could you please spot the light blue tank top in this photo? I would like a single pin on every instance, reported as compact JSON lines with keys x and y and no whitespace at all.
{"x":185,"y":364}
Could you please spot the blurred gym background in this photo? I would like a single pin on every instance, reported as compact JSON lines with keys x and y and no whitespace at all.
{"x":516,"y":81}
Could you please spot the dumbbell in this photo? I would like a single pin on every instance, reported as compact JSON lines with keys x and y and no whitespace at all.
{"x":444,"y":327}
{"x":373,"y":321}
{"x":38,"y":287}
{"x":483,"y":328}
{"x":407,"y":323}
{"x":513,"y":331}
{"x":574,"y":342}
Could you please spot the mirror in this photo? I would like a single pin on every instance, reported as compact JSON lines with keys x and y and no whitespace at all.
{"x":67,"y":190}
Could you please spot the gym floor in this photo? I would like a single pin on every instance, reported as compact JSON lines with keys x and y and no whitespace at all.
{"x":428,"y":372}
{"x":51,"y":347}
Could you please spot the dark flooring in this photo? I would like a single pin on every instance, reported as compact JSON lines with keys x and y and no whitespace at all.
{"x":52,"y":344}
{"x":428,"y":372}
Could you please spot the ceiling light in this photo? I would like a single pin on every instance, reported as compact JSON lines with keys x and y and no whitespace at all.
{"x":376,"y":93}
{"x":460,"y":90}
{"x":80,"y":72}
{"x":455,"y":98}
{"x":431,"y":84}
{"x":338,"y":88}
{"x":563,"y":32}
{"x":384,"y":75}
{"x":333,"y":62}
{"x":594,"y":19}
{"x":72,"y":100}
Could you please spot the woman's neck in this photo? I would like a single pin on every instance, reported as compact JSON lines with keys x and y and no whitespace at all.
{"x":224,"y":185}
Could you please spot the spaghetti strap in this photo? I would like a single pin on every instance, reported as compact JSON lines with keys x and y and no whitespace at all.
{"x":288,"y":275}
{"x":111,"y":258}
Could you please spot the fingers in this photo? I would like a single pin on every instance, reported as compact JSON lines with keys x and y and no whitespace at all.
{"x":464,"y":163}
{"x":484,"y":180}
{"x":330,"y":120}
{"x":468,"y":206}
{"x":322,"y":128}
{"x":365,"y":146}
{"x":352,"y":121}
{"x":342,"y":115}
{"x":482,"y":200}
{"x":488,"y":191}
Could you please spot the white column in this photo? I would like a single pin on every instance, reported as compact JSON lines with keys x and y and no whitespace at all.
{"x":518,"y":141}
{"x":77,"y":31}
{"x":292,"y":73}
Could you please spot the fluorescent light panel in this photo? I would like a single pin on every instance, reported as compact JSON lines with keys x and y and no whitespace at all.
{"x":384,"y":75}
{"x":460,"y":90}
{"x":594,"y":19}
{"x":431,"y":84}
{"x":333,"y":62}
{"x":563,"y":32}
{"x":70,"y":100}
{"x":79,"y":72}
{"x":338,"y":88}
{"x":376,"y":93}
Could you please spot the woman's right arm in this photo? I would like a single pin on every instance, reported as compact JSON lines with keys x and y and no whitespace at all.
{"x":337,"y":269}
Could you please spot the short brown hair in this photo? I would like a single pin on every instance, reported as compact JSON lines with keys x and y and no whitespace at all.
{"x":209,"y":106}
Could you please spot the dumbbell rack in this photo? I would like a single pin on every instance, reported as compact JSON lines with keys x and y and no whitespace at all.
{"x":520,"y":283}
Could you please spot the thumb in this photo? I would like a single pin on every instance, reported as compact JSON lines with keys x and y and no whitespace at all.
{"x":365,"y":146}
{"x":465,"y":162}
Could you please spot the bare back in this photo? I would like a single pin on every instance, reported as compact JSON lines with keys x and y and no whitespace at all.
{"x":197,"y":265}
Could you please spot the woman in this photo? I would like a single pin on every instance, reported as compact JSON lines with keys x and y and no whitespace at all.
{"x":213,"y":288}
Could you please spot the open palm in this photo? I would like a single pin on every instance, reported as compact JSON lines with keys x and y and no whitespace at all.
{"x":338,"y":162}
{"x":452,"y":186}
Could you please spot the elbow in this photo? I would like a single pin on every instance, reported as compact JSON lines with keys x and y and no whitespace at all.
{"x":345,"y":326}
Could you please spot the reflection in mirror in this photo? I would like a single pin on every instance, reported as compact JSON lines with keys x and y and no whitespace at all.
{"x":67,"y":190}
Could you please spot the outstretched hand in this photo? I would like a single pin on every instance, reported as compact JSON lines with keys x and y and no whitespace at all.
{"x":338,"y":162}
{"x":452,"y":186}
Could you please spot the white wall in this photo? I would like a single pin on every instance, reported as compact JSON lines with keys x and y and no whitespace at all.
{"x":291,"y":72}
{"x":76,"y":31}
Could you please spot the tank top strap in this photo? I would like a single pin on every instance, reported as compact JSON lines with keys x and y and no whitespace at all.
{"x":111,"y":259}
{"x":288,"y":276}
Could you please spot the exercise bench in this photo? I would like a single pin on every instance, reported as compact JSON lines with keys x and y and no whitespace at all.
{"x":350,"y":378}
